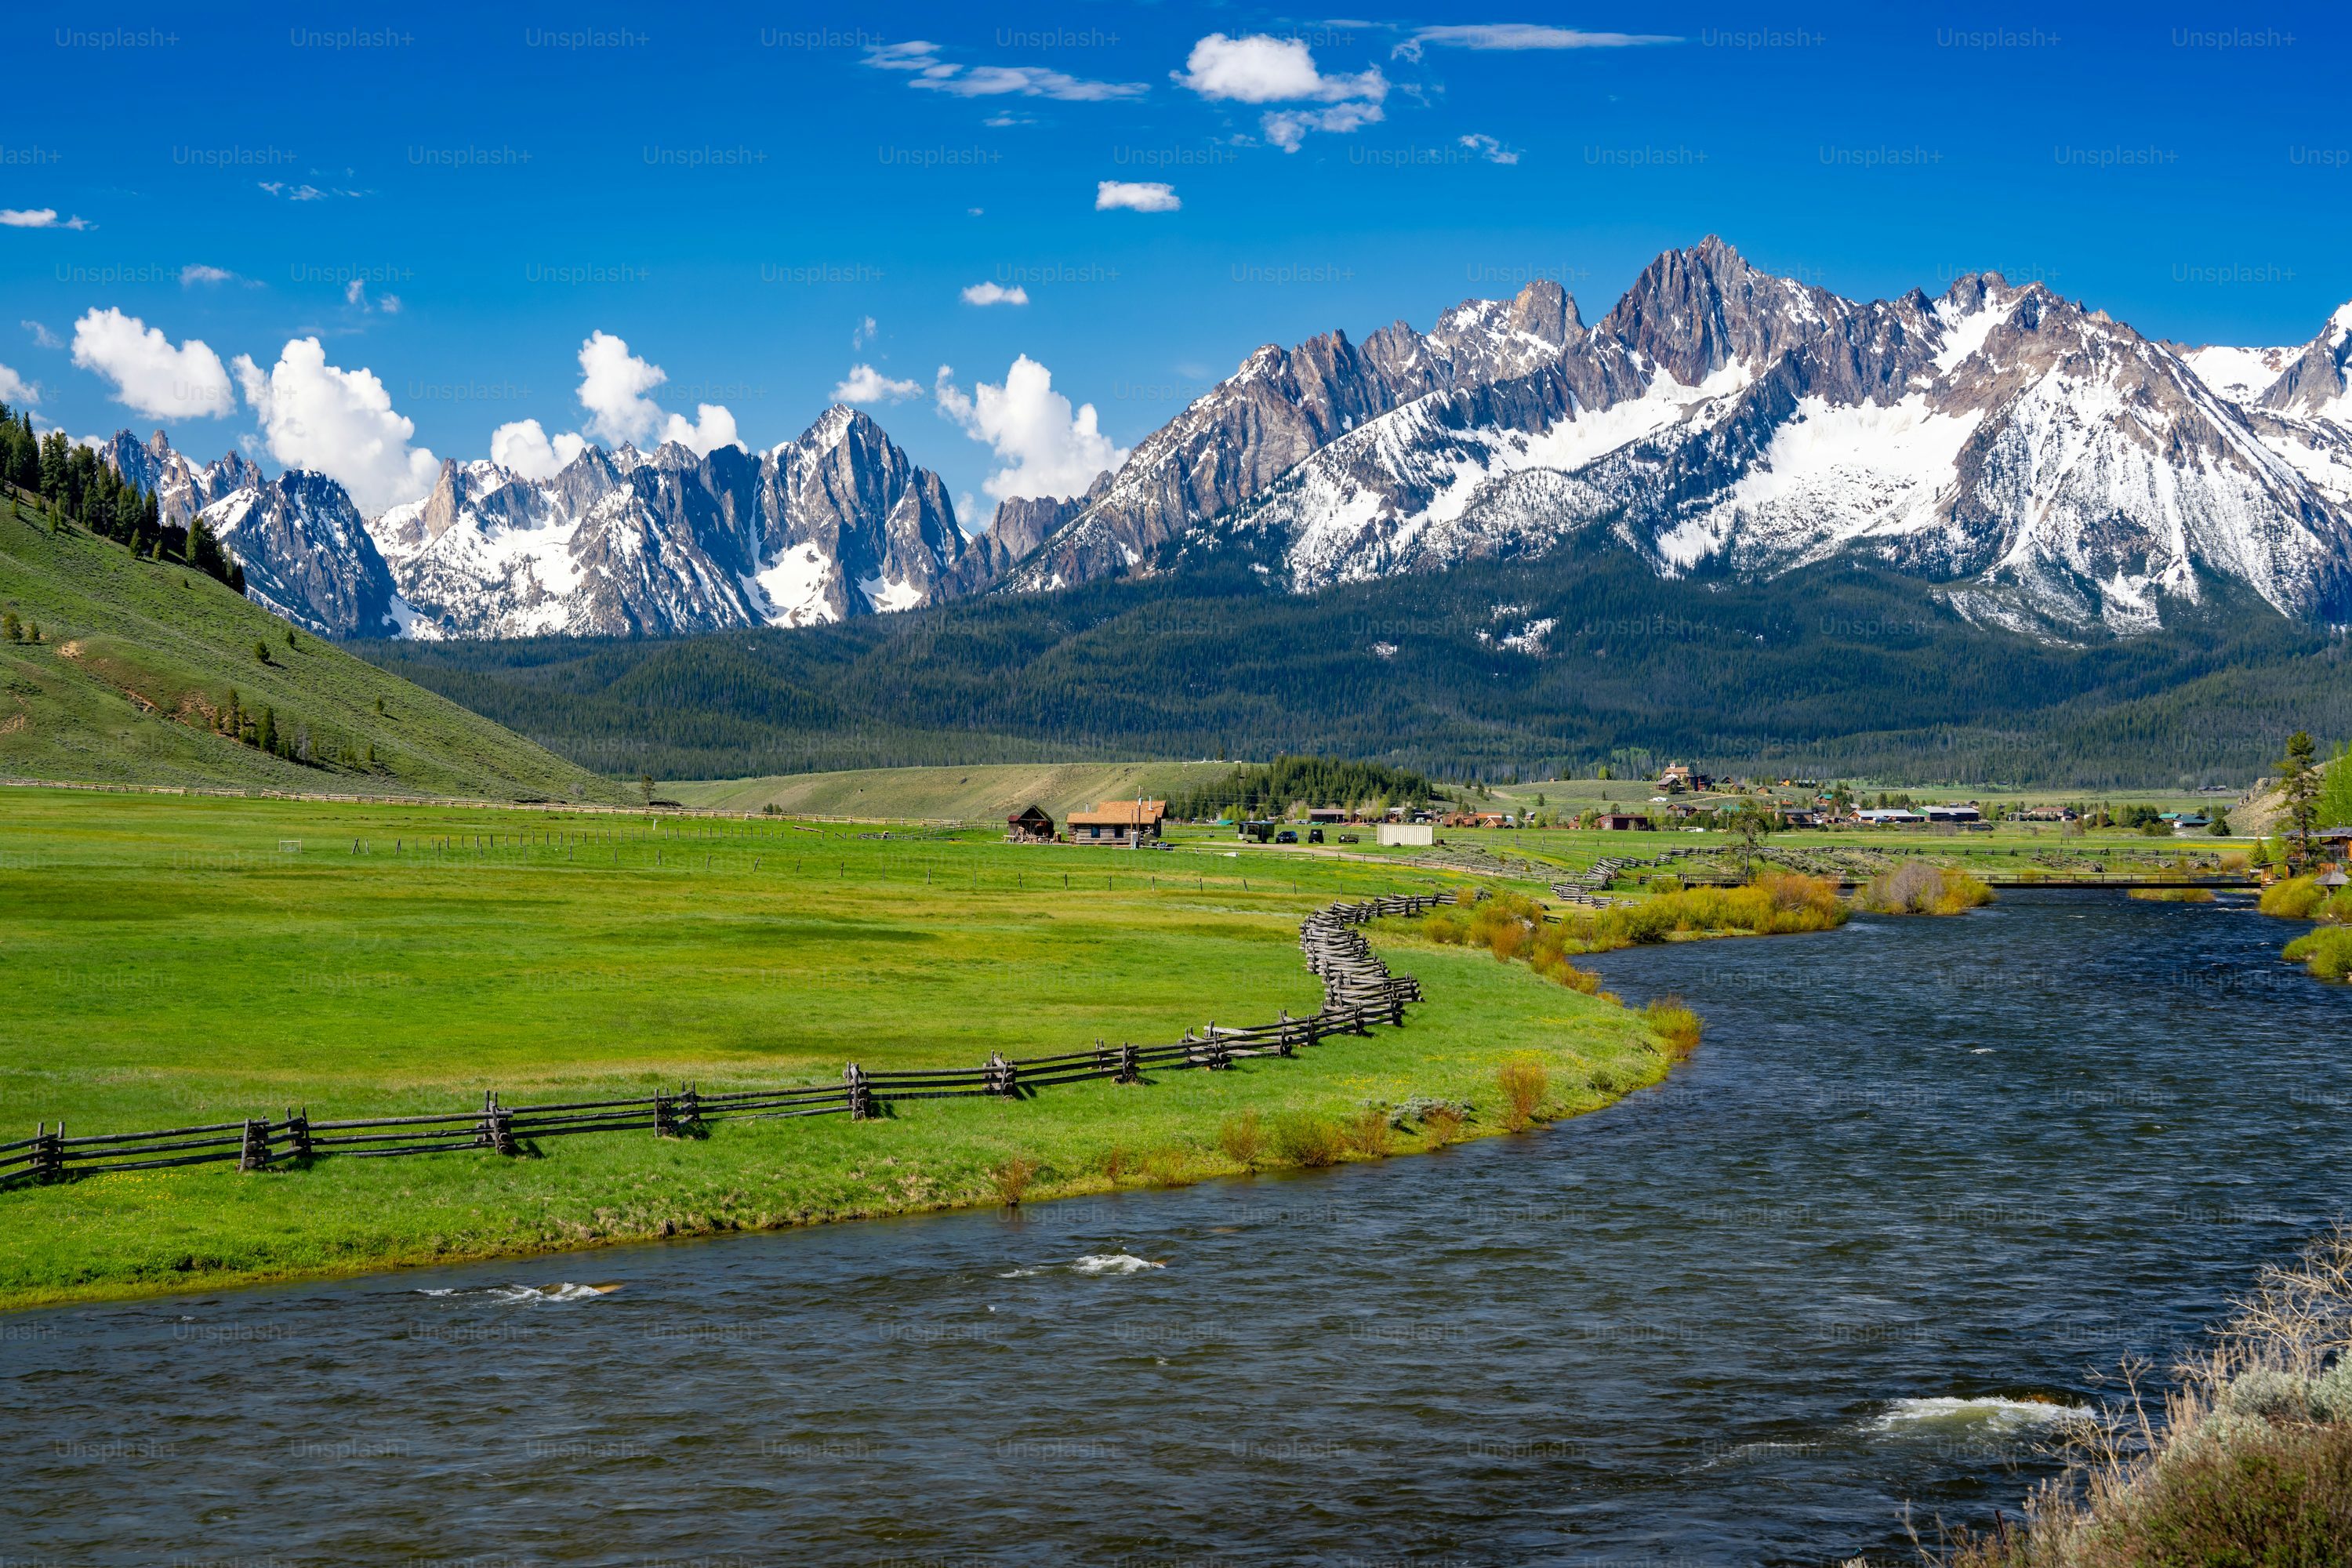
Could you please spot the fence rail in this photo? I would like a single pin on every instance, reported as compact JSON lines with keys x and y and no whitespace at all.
{"x":1357,"y":993}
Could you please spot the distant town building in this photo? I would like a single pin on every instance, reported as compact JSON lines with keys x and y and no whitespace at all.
{"x":1619,"y":822}
{"x":1680,"y":777}
{"x":1031,"y":826}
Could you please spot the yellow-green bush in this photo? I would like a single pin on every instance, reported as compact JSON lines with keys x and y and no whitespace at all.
{"x":2326,"y":952}
{"x":1916,"y":887}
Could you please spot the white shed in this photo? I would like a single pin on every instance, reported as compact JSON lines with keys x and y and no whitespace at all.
{"x":1420,"y":833}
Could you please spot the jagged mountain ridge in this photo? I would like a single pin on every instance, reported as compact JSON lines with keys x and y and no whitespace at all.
{"x":2051,"y":467}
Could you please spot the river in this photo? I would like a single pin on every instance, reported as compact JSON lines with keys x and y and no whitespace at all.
{"x":1925,"y":1186}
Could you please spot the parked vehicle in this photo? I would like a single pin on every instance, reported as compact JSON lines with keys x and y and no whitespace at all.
{"x":1351,"y":838}
{"x":1314,"y":836}
{"x":1286,"y":836}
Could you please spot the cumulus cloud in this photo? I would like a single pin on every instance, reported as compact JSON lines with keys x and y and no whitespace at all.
{"x":42,"y":335}
{"x":1260,"y":69}
{"x":927,"y":70}
{"x":992,"y":293}
{"x":523,"y":447}
{"x":1518,"y":36}
{"x":1047,"y":447}
{"x":149,"y":374}
{"x":196,"y":272}
{"x":15,"y":389}
{"x":1143,"y":196}
{"x":863,"y":383}
{"x":1486,"y":147}
{"x":612,"y":386}
{"x":39,"y":217}
{"x":340,"y":423}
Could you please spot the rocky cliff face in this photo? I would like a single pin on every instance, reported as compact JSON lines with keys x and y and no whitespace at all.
{"x":307,"y":555}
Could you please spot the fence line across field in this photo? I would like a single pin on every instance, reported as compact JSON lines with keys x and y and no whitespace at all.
{"x":1358,"y":991}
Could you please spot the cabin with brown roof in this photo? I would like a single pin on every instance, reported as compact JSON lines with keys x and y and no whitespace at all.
{"x":1031,"y":826}
{"x":1125,"y":821}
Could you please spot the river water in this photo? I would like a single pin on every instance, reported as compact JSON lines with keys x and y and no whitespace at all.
{"x":1926,"y":1182}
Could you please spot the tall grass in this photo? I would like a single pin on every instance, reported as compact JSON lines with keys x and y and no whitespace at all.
{"x":1916,"y":887}
{"x":1369,"y":1133}
{"x":1012,"y":1179}
{"x":2249,"y":1461}
{"x":1242,"y":1139}
{"x":1302,"y":1138}
{"x":2172,"y":895}
{"x":1523,"y":1083}
{"x":1674,"y":1022}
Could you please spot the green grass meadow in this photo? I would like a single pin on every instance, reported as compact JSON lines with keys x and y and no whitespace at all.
{"x":173,"y":961}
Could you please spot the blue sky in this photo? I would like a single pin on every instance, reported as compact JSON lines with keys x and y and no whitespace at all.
{"x":735,"y":195}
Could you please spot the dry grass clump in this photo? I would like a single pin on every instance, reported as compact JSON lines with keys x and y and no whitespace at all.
{"x":1012,"y":1179}
{"x":1369,"y":1133}
{"x":1443,"y":1122}
{"x":2172,"y":895}
{"x":1164,"y":1166}
{"x":1243,"y":1138}
{"x":1301,"y":1138}
{"x":1115,"y":1162}
{"x":1674,"y":1024}
{"x":1916,"y":887}
{"x":2249,"y":1461}
{"x":1524,"y":1081}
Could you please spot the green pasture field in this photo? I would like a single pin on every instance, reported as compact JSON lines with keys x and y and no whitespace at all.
{"x":172,"y":961}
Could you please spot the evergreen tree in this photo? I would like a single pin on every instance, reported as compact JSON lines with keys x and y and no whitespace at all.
{"x":11,"y":628}
{"x":267,"y":735}
{"x":2300,"y":787}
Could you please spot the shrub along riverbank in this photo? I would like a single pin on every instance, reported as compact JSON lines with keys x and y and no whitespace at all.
{"x":2249,"y":1461}
{"x":2327,"y":950}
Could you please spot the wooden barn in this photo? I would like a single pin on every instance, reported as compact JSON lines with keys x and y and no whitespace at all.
{"x":1119,"y":822}
{"x":1031,"y":826}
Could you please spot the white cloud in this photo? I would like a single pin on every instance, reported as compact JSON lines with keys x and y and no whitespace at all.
{"x":866,"y":333}
{"x":1520,"y":36}
{"x":1263,"y":69}
{"x":150,"y":375}
{"x":39,"y":217}
{"x":304,"y":191}
{"x":1143,"y":196}
{"x":935,"y":75}
{"x":992,"y":293}
{"x":1048,"y":449}
{"x":42,"y":335}
{"x":196,"y":272}
{"x":1286,"y":127}
{"x":15,"y":389}
{"x":863,"y":383}
{"x":340,"y":423}
{"x":1486,"y":147}
{"x":355,"y":293}
{"x":612,"y":386}
{"x":523,"y":447}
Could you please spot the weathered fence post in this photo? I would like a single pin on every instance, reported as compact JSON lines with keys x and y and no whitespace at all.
{"x":690,"y":1109}
{"x":1001,"y":1077}
{"x":496,"y":1128}
{"x":1282,"y":1037}
{"x":665,"y":1118}
{"x":298,"y":1132}
{"x":49,"y":1152}
{"x":1131,"y":1064}
{"x":253,"y":1153}
{"x":861,"y":1098}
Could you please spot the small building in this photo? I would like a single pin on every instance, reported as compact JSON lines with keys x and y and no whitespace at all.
{"x":1126,"y":822}
{"x":2191,"y":822}
{"x":1953,"y":813}
{"x":1619,"y":822}
{"x":1679,"y":776}
{"x":1889,"y":817}
{"x":1326,"y":814}
{"x":1416,"y":834}
{"x":1031,"y":826}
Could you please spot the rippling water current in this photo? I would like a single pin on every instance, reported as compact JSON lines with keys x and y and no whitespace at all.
{"x":1925,"y":1179}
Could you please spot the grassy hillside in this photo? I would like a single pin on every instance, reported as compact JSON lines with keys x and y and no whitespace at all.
{"x":138,"y":660}
{"x":1527,"y":671}
{"x":982,"y":793}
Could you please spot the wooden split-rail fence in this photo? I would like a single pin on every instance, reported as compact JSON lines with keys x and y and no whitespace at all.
{"x":1357,"y":993}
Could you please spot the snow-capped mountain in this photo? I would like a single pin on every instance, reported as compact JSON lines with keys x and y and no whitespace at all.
{"x":835,"y":524}
{"x":2055,"y":470}
{"x":1279,"y":407}
{"x":307,"y":555}
{"x":181,"y":489}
